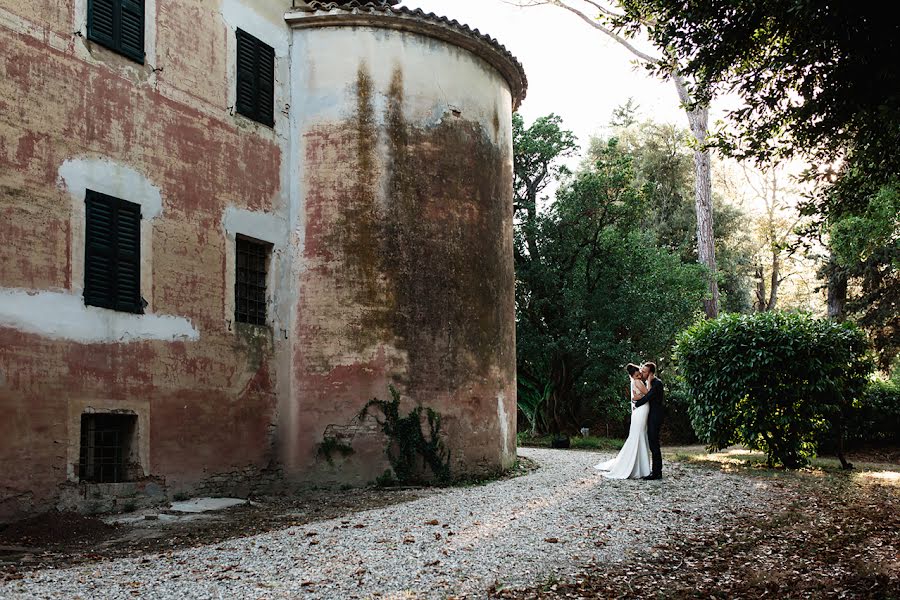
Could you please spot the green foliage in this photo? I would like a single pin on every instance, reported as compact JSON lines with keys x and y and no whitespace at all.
{"x":875,"y":419}
{"x":856,"y":237}
{"x":539,"y":153}
{"x":811,"y":80}
{"x":591,"y":442}
{"x":330,"y":445}
{"x":595,"y":290}
{"x":408,"y":447}
{"x":663,"y":164}
{"x":386,"y":479}
{"x":677,"y":427}
{"x":771,"y":381}
{"x":865,"y":244}
{"x":530,"y":398}
{"x":816,"y":82}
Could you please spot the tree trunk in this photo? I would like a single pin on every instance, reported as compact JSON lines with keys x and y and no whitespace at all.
{"x":773,"y":289}
{"x":706,"y":242}
{"x":845,"y":464}
{"x":760,"y":289}
{"x":698,"y":119}
{"x":837,"y":292}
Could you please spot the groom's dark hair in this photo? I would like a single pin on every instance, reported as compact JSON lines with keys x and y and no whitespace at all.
{"x":651,"y":366}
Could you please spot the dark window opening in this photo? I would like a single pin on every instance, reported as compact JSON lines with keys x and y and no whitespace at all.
{"x":255,"y":79}
{"x":250,"y":281}
{"x":112,"y":264}
{"x":108,"y":448}
{"x":118,"y":25}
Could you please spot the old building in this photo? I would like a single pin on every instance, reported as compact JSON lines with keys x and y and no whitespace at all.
{"x":227,"y":224}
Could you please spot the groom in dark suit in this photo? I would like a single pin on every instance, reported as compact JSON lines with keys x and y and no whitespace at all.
{"x":656,"y":395}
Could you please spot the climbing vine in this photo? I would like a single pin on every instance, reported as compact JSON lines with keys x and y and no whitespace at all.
{"x":330,"y":445}
{"x":408,"y":446}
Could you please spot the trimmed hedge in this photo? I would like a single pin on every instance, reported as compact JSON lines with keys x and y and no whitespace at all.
{"x":873,"y":420}
{"x":772,"y":381}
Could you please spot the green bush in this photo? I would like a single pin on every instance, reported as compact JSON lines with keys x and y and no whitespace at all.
{"x":876,"y":417}
{"x":772,"y":381}
{"x":677,"y":427}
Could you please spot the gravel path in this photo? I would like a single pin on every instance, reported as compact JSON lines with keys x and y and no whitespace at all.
{"x":457,"y":542}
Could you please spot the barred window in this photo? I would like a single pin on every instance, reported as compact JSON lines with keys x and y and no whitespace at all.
{"x":106,"y":447}
{"x":250,"y":280}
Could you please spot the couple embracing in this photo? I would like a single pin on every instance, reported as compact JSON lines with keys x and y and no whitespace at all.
{"x":640,"y":457}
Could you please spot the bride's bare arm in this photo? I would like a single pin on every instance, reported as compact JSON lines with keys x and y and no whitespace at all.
{"x":640,"y":390}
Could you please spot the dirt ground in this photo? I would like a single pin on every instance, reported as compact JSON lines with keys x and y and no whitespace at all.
{"x":65,"y":539}
{"x":829,"y":534}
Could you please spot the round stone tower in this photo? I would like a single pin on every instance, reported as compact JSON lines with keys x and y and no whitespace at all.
{"x":402,"y":219}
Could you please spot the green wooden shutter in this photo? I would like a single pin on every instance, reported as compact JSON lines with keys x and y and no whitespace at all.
{"x":128,"y":258}
{"x":118,"y":25}
{"x":131,"y":29}
{"x":255,"y":79}
{"x":102,"y":22}
{"x":112,"y":265}
{"x":265,"y":68}
{"x":247,"y":90}
{"x":100,"y":250}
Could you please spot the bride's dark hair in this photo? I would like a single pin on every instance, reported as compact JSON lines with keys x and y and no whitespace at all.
{"x":632,"y":368}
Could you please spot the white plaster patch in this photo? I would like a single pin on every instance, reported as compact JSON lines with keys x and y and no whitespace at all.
{"x":438,"y":77}
{"x":262,"y":226}
{"x":61,"y":315}
{"x":77,"y":175}
{"x":238,"y":14}
{"x":113,"y":179}
{"x":200,"y":505}
{"x":503,"y":419}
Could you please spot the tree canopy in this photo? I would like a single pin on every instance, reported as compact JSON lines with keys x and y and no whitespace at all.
{"x":594,"y":288}
{"x":817,"y":80}
{"x":814,"y":77}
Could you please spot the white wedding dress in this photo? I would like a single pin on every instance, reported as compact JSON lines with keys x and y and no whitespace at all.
{"x":633,"y":460}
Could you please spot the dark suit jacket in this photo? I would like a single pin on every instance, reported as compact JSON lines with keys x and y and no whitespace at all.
{"x":655,"y":396}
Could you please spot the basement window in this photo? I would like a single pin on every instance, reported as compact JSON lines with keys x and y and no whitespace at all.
{"x":108,"y":442}
{"x":250,"y":280}
{"x":255,"y":79}
{"x":118,"y":25}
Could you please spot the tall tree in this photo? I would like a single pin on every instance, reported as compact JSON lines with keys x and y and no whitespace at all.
{"x":620,"y":26}
{"x":593,"y":288}
{"x":775,"y":226}
{"x":663,"y":167}
{"x":818,"y":80}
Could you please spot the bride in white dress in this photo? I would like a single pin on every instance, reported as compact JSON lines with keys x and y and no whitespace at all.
{"x":633,"y":460}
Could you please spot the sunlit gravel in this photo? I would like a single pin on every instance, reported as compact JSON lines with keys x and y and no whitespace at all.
{"x":515,"y":532}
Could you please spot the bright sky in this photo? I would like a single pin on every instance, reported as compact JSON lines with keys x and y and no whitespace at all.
{"x":578,"y":73}
{"x":573,"y":69}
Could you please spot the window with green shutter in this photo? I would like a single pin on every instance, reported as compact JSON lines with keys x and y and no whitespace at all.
{"x":112,"y":261}
{"x":255,"y":79}
{"x":118,"y":25}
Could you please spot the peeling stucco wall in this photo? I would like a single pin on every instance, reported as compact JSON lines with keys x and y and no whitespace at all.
{"x":404,"y":260}
{"x":384,"y":189}
{"x":74,"y":115}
